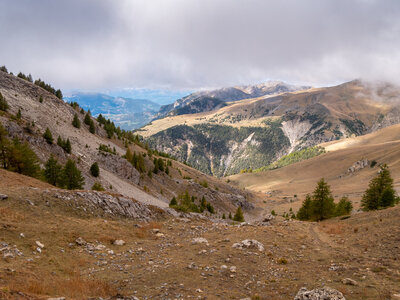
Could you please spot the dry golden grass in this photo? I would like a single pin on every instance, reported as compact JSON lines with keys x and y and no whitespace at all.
{"x":75,"y":286}
{"x":333,"y":228}
{"x":10,"y":215}
{"x":145,"y":231}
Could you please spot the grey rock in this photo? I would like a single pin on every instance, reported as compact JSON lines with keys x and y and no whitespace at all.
{"x":349,"y":281}
{"x":80,"y":241}
{"x":325,"y":293}
{"x":249,"y":244}
{"x":119,"y":242}
{"x":199,"y":240}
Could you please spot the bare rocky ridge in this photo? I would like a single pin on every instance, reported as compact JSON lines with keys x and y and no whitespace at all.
{"x":186,"y":104}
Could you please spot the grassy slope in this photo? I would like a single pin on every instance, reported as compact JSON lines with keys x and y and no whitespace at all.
{"x":300,"y":178}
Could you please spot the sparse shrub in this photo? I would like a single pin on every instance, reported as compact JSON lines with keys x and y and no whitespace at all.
{"x":204,"y":184}
{"x":282,"y":261}
{"x":18,"y":115}
{"x":273,"y":212}
{"x":41,"y":99}
{"x":95,"y":170}
{"x":48,"y":136}
{"x":185,"y":203}
{"x":238,"y":215}
{"x":97,"y":187}
{"x":105,"y":148}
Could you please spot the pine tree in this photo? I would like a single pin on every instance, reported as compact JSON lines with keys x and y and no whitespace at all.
{"x":53,"y":172}
{"x":87,"y":119}
{"x":323,"y":203}
{"x":3,"y":103}
{"x":59,"y":94}
{"x":344,"y":207}
{"x":22,"y":159}
{"x":203,"y":204}
{"x":48,"y":136}
{"x":67,"y":146}
{"x":305,"y":211}
{"x":128,"y":155}
{"x":230,"y":216}
{"x":95,"y":170}
{"x":173,"y":202}
{"x":92,"y":128}
{"x":4,"y":147}
{"x":380,"y":192}
{"x":210,"y":208}
{"x":19,"y":114}
{"x":73,"y":177}
{"x":76,"y":122}
{"x":238,"y":215}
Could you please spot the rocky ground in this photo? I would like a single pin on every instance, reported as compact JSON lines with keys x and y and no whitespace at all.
{"x":58,"y":244}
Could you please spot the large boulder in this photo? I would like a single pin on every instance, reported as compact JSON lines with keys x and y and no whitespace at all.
{"x":325,"y":293}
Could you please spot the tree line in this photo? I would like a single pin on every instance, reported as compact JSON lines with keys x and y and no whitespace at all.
{"x":320,"y":204}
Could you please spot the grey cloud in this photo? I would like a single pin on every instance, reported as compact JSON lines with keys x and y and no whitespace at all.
{"x":195,"y":44}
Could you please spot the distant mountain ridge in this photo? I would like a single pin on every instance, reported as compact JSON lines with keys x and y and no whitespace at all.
{"x":194,"y":103}
{"x":253,"y":133}
{"x":127,"y":113}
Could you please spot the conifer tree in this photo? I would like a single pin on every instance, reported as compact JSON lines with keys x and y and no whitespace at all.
{"x":67,"y":146}
{"x":73,"y":176}
{"x":95,"y":170}
{"x":305,"y":211}
{"x":3,"y":103}
{"x":53,"y":172}
{"x":238,"y":215}
{"x":48,"y":136}
{"x":4,"y":147}
{"x":344,"y":207}
{"x":173,"y":202}
{"x":92,"y":128}
{"x":22,"y":159}
{"x":19,"y":114}
{"x":87,"y":119}
{"x":76,"y":122}
{"x":380,"y":192}
{"x":323,"y":203}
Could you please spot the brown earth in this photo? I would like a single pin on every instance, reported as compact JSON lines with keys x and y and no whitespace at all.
{"x":363,"y":247}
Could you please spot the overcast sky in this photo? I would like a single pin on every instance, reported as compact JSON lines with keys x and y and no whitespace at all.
{"x":184,"y":44}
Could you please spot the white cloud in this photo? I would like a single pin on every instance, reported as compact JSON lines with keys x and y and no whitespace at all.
{"x":193,"y":44}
